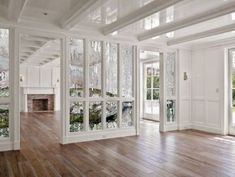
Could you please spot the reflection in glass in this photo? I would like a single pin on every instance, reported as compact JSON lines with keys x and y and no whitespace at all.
{"x":126,"y":70}
{"x":171,"y":110}
{"x":111,"y":69}
{"x":127,"y":114}
{"x":4,"y":62}
{"x":95,"y":115}
{"x":76,"y":117}
{"x":94,"y":69}
{"x":4,"y":120}
{"x":111,"y":114}
{"x":76,"y":82}
{"x":170,"y":74}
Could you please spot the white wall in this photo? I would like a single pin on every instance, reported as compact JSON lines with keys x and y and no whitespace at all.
{"x":184,"y":116}
{"x":208,"y":89}
{"x":42,"y":80}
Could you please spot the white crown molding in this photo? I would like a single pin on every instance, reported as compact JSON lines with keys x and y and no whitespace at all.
{"x":201,"y":35}
{"x":189,"y":21}
{"x":147,"y":10}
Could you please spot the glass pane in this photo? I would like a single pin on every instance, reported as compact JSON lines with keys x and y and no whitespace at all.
{"x":170,"y":74}
{"x":156,"y":94}
{"x":4,"y":62}
{"x":127,"y":117}
{"x":233,"y":90}
{"x":95,"y":69}
{"x":76,"y":82}
{"x":148,"y":83}
{"x":156,"y":68}
{"x":171,"y":110}
{"x":95,"y":115}
{"x":156,"y":81}
{"x":148,"y":94}
{"x":149,"y":70}
{"x":76,"y":117}
{"x":111,"y":114}
{"x":4,"y":120}
{"x":127,"y":70}
{"x":111,"y":69}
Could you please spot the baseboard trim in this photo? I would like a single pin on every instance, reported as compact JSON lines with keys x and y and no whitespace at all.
{"x":95,"y":135}
{"x":208,"y":129}
{"x":185,"y":126}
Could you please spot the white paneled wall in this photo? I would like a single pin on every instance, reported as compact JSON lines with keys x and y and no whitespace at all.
{"x":207,"y":89}
{"x":185,"y":57}
{"x":35,"y":76}
{"x":39,"y":80}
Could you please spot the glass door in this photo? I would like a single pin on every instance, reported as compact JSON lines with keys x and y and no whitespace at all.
{"x":151,"y":90}
{"x":232,"y":91}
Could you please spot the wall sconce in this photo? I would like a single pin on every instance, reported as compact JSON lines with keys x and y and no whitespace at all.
{"x":21,"y":78}
{"x":185,"y":76}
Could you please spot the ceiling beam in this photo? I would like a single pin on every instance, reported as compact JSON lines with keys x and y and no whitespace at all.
{"x":16,"y":9}
{"x":204,"y":34}
{"x":145,"y":11}
{"x":192,"y":20}
{"x":77,"y":13}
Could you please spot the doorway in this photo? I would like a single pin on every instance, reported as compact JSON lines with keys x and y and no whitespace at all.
{"x":149,"y":90}
{"x":231,"y":91}
{"x":151,"y":106}
{"x":40,"y":89}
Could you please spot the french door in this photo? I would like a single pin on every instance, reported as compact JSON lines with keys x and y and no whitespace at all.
{"x":151,"y":90}
{"x":232,"y":91}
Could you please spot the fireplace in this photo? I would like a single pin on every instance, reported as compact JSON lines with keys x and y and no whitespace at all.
{"x":40,"y":102}
{"x":40,"y":105}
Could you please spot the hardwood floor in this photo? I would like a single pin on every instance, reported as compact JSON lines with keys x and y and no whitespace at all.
{"x":152,"y":154}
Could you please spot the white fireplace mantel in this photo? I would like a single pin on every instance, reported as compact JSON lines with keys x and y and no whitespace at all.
{"x":25,"y":91}
{"x":39,"y":90}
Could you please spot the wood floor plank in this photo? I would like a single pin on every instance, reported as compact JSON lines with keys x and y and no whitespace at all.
{"x":185,"y":153}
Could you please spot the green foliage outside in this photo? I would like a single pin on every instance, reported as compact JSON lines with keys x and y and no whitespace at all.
{"x":4,"y":122}
{"x":156,"y":81}
{"x":233,"y":82}
{"x":149,"y":82}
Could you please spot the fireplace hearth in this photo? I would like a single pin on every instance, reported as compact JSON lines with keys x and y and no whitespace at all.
{"x":40,"y":102}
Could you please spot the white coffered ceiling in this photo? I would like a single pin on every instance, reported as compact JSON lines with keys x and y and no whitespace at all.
{"x":168,"y":22}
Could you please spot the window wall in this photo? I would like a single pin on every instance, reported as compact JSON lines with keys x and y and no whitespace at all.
{"x":4,"y":83}
{"x":170,"y":87}
{"x":101,"y":85}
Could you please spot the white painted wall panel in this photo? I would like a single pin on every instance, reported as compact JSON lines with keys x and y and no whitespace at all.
{"x":45,"y":77}
{"x":33,"y":76}
{"x":207,"y":89}
{"x":213,"y":114}
{"x":197,"y":75}
{"x":185,"y":59}
{"x":198,"y":112}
